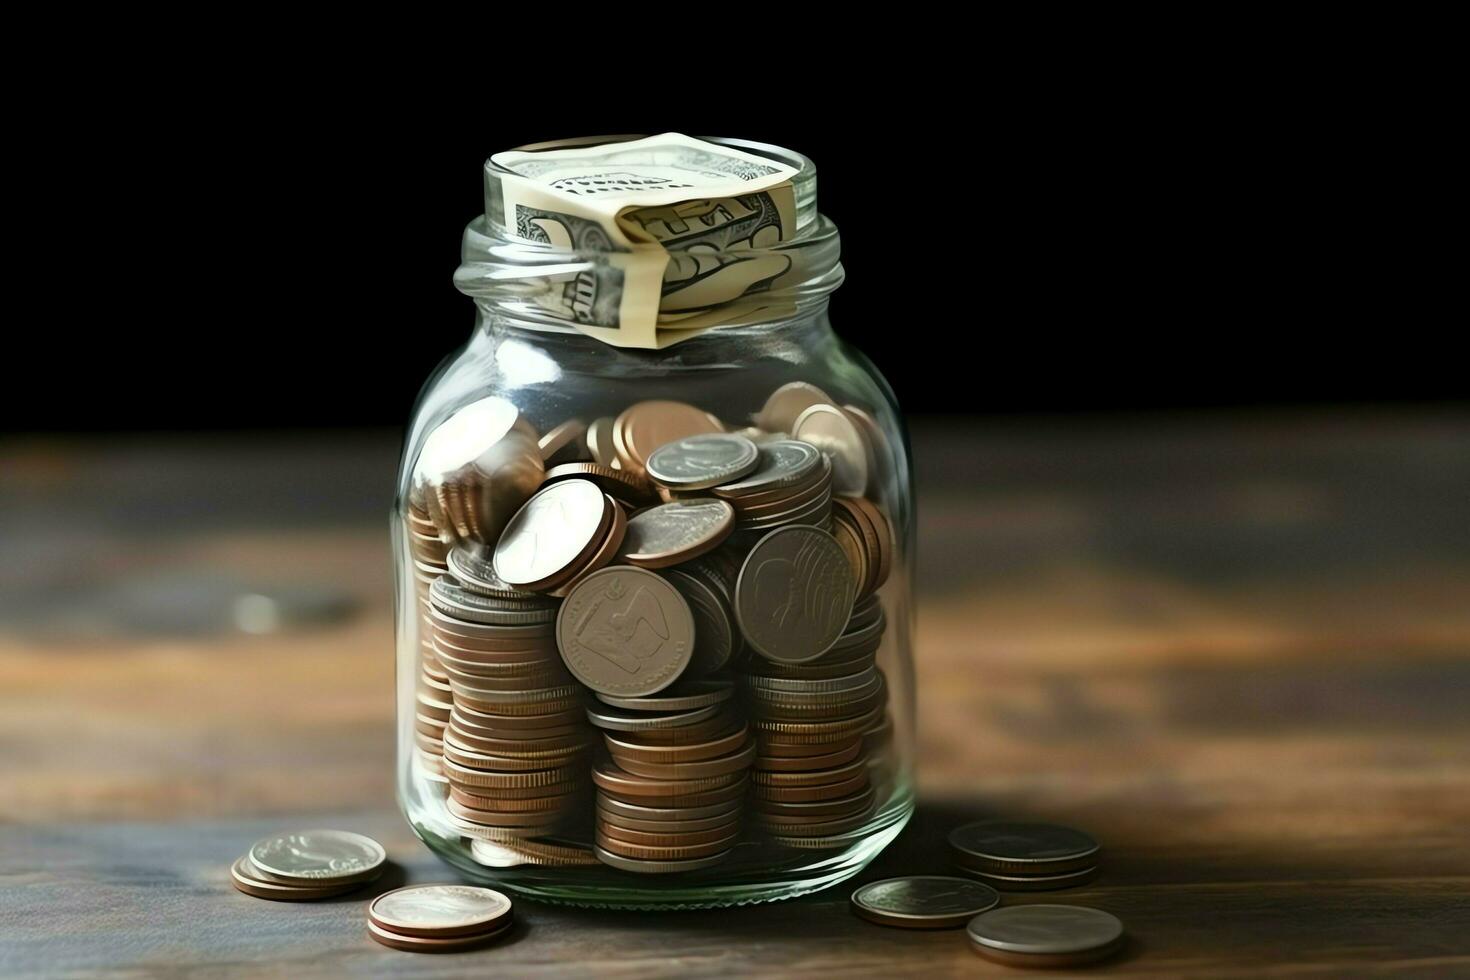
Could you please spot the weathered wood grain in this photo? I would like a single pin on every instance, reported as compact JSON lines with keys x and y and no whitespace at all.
{"x":1238,"y":654}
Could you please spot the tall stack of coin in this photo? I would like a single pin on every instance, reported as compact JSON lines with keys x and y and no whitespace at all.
{"x":515,"y":744}
{"x":813,"y":782}
{"x":671,"y":787}
{"x":791,"y":484}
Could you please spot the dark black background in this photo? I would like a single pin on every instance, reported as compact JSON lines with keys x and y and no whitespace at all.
{"x":286,"y":261}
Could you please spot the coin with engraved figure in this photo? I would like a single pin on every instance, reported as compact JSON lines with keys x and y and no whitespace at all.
{"x":317,"y":855}
{"x":625,"y":631}
{"x":698,"y":462}
{"x":923,"y":901}
{"x":794,"y":594}
{"x":782,"y":463}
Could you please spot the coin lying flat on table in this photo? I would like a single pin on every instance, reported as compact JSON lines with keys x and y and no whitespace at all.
{"x":1035,"y":882}
{"x":923,"y":901}
{"x":440,"y":911}
{"x":1045,"y":935}
{"x":245,"y":879}
{"x":1009,"y":847}
{"x":317,"y":857}
{"x":421,"y":944}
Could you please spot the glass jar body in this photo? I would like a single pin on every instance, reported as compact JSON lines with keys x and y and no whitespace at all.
{"x":563,"y":379}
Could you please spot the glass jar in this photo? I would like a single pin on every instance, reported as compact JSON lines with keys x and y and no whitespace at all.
{"x":653,"y":607}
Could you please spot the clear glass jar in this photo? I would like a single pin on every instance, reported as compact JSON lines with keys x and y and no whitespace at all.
{"x":763,"y":773}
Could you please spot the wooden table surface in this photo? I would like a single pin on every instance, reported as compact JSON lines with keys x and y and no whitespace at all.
{"x":1235,"y":651}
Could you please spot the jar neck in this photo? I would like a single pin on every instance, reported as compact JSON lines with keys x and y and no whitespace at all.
{"x":795,"y":337}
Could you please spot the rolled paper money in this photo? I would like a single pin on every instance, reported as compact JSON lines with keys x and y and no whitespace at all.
{"x":667,"y":236}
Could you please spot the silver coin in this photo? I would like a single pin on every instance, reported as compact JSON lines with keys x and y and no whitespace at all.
{"x":317,"y":855}
{"x":794,"y":594}
{"x":453,"y":599}
{"x":1045,"y":930}
{"x":681,"y":697}
{"x":551,"y":532}
{"x":787,"y":402}
{"x":923,"y":901}
{"x":714,"y":633}
{"x":834,"y":433}
{"x":639,"y":722}
{"x":657,"y":867}
{"x":1011,"y":847}
{"x":701,"y":461}
{"x":782,"y":463}
{"x":625,"y":631}
{"x":676,"y":532}
{"x":477,"y":574}
{"x":1033,"y":882}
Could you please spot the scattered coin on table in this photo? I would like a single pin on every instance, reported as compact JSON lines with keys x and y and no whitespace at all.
{"x":1017,"y":856}
{"x":308,"y":865}
{"x":1054,"y":936}
{"x":438,"y":918}
{"x":923,"y":901}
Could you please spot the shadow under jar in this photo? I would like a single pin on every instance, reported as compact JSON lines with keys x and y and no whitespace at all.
{"x":653,"y":606}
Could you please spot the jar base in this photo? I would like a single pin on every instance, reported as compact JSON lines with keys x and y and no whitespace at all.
{"x":775,"y":873}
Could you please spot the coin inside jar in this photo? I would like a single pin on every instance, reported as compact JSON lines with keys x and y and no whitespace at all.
{"x":645,"y":426}
{"x":552,"y":535}
{"x":676,"y":532}
{"x":785,"y":405}
{"x":625,"y":631}
{"x":703,"y":461}
{"x":829,"y":429}
{"x":794,"y":595}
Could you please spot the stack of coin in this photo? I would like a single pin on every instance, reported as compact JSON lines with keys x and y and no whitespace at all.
{"x":515,"y":745}
{"x":424,"y":543}
{"x":849,"y":436}
{"x":923,"y":901}
{"x":438,"y":918}
{"x":1015,"y":856}
{"x":564,"y":533}
{"x":308,"y":865}
{"x":476,"y":468}
{"x":671,"y":786}
{"x":866,"y":538}
{"x":814,"y":784}
{"x":791,"y":484}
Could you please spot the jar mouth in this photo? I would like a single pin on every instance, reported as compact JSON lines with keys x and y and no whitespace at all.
{"x":576,"y":280}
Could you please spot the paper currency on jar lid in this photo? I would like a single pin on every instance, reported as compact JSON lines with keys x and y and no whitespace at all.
{"x":673,"y":235}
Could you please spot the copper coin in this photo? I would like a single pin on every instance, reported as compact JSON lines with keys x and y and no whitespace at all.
{"x":479,"y":831}
{"x":886,"y":543}
{"x":815,"y":777}
{"x":420,"y":944}
{"x":695,"y":801}
{"x":785,"y":405}
{"x":510,"y":854}
{"x":644,"y":852}
{"x":837,"y":729}
{"x":502,"y":818}
{"x":630,"y":488}
{"x":491,"y":722}
{"x":831,"y":827}
{"x":625,"y":631}
{"x":624,"y":812}
{"x":608,"y":776}
{"x":768,"y":747}
{"x":729,"y":817}
{"x":826,"y":760}
{"x":676,"y":532}
{"x":470,"y":776}
{"x":807,"y":794}
{"x":657,"y":867}
{"x":646,"y":426}
{"x":737,"y":761}
{"x":553,"y":535}
{"x":634,"y":747}
{"x":564,"y":443}
{"x":440,"y":911}
{"x":794,"y":594}
{"x":502,"y":706}
{"x":479,"y":761}
{"x":600,"y":441}
{"x":673,"y":839}
{"x":715,"y":726}
{"x":572,"y":781}
{"x":779,"y":811}
{"x":512,"y":746}
{"x":535,"y":804}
